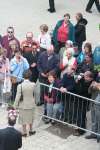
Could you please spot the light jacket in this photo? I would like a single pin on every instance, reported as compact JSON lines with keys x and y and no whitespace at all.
{"x":17,"y":69}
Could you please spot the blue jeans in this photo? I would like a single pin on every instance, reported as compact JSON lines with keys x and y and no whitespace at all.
{"x":53,"y":109}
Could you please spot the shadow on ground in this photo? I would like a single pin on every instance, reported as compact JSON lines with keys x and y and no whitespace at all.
{"x":63,"y":131}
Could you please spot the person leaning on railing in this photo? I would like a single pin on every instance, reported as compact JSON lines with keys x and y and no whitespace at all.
{"x":52,"y":99}
{"x":95,"y":110}
{"x":82,"y":105}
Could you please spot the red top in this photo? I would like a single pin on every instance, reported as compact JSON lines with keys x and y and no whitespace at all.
{"x":62,"y":35}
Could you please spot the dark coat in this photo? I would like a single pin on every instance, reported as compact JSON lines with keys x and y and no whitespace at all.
{"x":68,"y":82}
{"x":81,"y":88}
{"x":46,"y":65}
{"x":32,"y":58}
{"x":85,"y":67}
{"x":54,"y":94}
{"x":80,"y":31}
{"x":10,"y":139}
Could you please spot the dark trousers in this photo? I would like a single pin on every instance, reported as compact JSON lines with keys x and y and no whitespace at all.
{"x":14,"y":91}
{"x":52,"y":5}
{"x":91,"y":2}
{"x":79,"y":44}
{"x":42,"y":88}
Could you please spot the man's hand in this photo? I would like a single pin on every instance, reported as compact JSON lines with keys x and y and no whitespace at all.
{"x":63,"y":90}
{"x":33,"y":65}
{"x":43,"y":75}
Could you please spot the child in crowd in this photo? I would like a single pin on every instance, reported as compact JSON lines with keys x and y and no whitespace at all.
{"x":51,"y":97}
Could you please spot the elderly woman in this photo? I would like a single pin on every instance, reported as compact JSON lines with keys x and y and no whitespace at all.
{"x":68,"y":60}
{"x":25,"y":103}
{"x":63,"y":31}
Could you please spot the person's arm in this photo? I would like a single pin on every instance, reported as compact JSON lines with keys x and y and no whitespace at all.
{"x":56,"y":64}
{"x":78,"y":30}
{"x":55,"y":31}
{"x":26,"y":64}
{"x":13,"y":65}
{"x":19,"y":140}
{"x":39,"y":63}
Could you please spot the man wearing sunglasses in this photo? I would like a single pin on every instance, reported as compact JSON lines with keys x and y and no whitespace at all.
{"x":7,"y":39}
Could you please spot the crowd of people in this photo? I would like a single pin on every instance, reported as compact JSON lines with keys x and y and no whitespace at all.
{"x":60,"y":60}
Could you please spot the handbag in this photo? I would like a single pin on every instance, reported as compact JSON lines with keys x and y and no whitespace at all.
{"x":21,"y":97}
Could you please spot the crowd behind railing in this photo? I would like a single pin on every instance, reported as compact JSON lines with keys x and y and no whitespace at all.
{"x":61,"y":60}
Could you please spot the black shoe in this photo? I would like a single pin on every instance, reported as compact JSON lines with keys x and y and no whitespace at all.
{"x":47,"y":121}
{"x":51,"y":10}
{"x":53,"y":122}
{"x":89,"y":11}
{"x":98,"y":139}
{"x":91,"y":136}
{"x":24,"y":134}
{"x":40,"y":103}
{"x":32,"y":132}
{"x":76,"y":132}
{"x":81,"y":132}
{"x":48,"y":9}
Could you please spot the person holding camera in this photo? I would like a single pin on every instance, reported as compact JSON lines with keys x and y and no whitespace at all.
{"x":27,"y":44}
{"x":18,"y":65}
{"x":25,"y":103}
{"x":83,"y":82}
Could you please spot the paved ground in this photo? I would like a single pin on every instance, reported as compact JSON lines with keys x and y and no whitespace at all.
{"x":28,"y":15}
{"x":51,"y":137}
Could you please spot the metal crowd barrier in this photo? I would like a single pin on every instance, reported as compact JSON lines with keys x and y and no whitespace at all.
{"x":71,"y":109}
{"x":67,"y":108}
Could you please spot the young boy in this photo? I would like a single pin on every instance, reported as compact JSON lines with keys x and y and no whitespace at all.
{"x":51,"y":97}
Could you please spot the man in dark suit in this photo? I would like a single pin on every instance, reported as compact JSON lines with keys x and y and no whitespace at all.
{"x":52,"y":6}
{"x":10,"y":138}
{"x":90,"y":3}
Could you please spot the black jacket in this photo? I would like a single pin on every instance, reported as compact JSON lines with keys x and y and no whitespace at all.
{"x":80,"y":30}
{"x":10,"y":139}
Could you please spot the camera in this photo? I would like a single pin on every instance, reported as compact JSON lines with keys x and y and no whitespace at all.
{"x":80,"y":76}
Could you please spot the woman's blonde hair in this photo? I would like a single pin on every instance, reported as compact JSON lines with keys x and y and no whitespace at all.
{"x":44,"y":27}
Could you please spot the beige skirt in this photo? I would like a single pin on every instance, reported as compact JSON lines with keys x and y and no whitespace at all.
{"x":26,"y":116}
